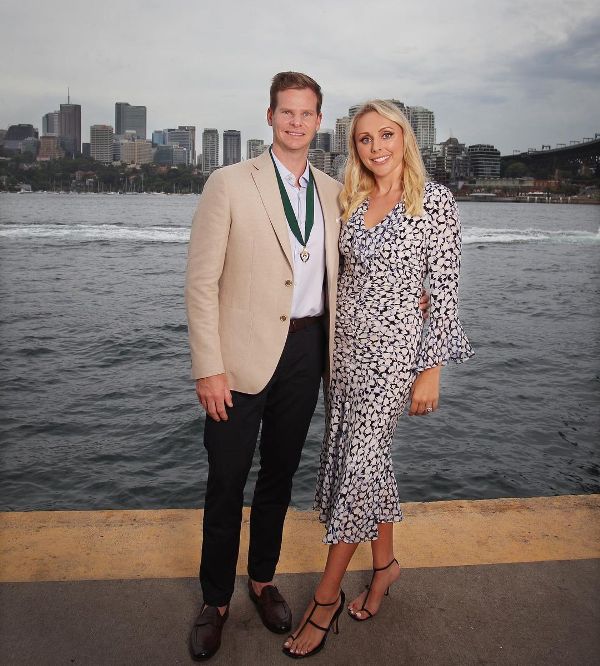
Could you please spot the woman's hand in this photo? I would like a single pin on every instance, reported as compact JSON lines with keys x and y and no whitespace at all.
{"x":425,"y":392}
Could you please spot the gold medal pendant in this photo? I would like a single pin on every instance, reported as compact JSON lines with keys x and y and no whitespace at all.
{"x":304,"y":255}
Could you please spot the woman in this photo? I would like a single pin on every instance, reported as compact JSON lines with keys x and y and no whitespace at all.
{"x":398,"y":229}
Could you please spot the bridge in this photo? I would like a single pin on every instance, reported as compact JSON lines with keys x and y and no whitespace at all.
{"x":572,"y":157}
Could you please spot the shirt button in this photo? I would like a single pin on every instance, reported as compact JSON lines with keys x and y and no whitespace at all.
{"x":288,"y":283}
{"x":283,"y":318}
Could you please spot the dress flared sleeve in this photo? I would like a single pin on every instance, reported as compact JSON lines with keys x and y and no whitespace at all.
{"x":444,"y":339}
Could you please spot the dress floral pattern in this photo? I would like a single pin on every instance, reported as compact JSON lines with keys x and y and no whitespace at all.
{"x":380,"y":345}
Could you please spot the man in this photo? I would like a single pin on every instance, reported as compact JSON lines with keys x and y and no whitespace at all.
{"x":260,"y":296}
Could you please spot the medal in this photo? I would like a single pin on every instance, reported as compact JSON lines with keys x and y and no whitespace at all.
{"x":291,"y":216}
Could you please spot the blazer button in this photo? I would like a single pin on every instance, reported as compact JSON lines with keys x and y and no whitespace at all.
{"x":283,"y":318}
{"x":288,"y":283}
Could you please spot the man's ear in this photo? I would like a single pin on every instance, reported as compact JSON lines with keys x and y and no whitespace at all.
{"x":270,"y":117}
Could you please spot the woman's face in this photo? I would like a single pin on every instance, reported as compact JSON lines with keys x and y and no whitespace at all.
{"x":380,"y":144}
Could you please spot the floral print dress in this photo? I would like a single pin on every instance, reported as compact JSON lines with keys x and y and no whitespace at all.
{"x":380,"y":345}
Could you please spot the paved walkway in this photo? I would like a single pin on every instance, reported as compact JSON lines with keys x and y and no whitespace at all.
{"x":484,"y":582}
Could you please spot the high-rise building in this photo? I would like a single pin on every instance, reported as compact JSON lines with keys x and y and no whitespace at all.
{"x":158,"y":138}
{"x":30,"y":145}
{"x":340,"y":141}
{"x":101,"y":143}
{"x":138,"y":151}
{"x":70,"y":128}
{"x":317,"y":157}
{"x":128,"y":117}
{"x":400,"y":105}
{"x":232,"y":147}
{"x":254,"y":148}
{"x":455,"y":159}
{"x":16,"y":134}
{"x":51,"y":124}
{"x":323,"y":140}
{"x":192,"y":143}
{"x":180,"y":155}
{"x":210,"y":149}
{"x":49,"y":148}
{"x":185,"y":137}
{"x":163,"y":155}
{"x":422,"y":121}
{"x":484,"y":161}
{"x":396,"y":102}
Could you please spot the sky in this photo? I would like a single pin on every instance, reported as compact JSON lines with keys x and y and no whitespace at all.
{"x":513,"y":74}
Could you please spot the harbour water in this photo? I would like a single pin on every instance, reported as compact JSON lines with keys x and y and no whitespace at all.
{"x":97,"y":410}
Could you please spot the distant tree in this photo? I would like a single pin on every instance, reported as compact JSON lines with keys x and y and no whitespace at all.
{"x":516,"y":170}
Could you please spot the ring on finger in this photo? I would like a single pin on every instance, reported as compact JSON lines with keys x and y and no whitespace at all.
{"x":428,"y":409}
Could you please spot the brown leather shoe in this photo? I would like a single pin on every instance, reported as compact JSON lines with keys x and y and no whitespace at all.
{"x":205,"y":637}
{"x":272,"y":608}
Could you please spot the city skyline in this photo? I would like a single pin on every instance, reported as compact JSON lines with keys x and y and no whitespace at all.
{"x":515,"y":76}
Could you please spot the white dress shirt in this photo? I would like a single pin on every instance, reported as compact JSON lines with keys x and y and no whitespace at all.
{"x":308,"y":299}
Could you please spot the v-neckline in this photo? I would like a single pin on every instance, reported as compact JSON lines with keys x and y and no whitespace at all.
{"x":367,"y":202}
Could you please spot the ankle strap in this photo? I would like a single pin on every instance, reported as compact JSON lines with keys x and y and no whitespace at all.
{"x":387,"y":567}
{"x":330,"y":604}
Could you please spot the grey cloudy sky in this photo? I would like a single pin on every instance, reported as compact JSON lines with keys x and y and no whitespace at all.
{"x":515,"y":74}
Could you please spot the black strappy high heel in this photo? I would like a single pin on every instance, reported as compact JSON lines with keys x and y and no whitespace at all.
{"x":368,"y":587}
{"x":333,"y":623}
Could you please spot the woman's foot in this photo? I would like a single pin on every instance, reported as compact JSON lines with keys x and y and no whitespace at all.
{"x":381,"y":581}
{"x":307,"y":636}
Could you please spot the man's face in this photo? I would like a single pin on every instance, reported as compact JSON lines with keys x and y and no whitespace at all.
{"x":295,"y":121}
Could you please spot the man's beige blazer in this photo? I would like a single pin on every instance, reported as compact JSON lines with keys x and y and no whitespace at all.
{"x":239,"y":274}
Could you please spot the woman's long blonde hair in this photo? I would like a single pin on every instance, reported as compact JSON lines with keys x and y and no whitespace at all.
{"x":359,"y":181}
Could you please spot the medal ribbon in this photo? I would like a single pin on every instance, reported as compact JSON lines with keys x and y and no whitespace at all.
{"x":289,"y":211}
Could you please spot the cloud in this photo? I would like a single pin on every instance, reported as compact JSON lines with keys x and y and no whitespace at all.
{"x":508,"y":73}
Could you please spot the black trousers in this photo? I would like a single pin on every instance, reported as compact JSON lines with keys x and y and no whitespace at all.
{"x":284,"y":407}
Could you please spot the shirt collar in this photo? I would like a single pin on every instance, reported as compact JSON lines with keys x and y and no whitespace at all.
{"x":288,"y":176}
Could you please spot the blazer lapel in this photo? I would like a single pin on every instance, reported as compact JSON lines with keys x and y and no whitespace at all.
{"x":266,"y":183}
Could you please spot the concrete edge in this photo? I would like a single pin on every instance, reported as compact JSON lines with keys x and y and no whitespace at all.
{"x":105,"y":545}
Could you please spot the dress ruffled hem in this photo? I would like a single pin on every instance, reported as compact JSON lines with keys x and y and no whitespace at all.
{"x":440,"y":347}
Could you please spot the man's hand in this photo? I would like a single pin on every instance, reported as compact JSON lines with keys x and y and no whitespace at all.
{"x":424,"y":304}
{"x":213,"y":394}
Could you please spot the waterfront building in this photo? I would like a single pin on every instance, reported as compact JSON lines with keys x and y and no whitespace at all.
{"x":51,"y":124}
{"x":49,"y":148}
{"x":340,"y":141}
{"x":484,"y":161}
{"x":192,"y":142}
{"x":396,"y":102}
{"x":323,"y":140}
{"x":138,"y":151}
{"x":232,"y":147}
{"x":254,"y":148}
{"x":210,"y":149}
{"x":316,"y":156}
{"x":158,"y":138}
{"x":101,"y":143}
{"x":185,"y":137}
{"x":70,"y":128}
{"x":30,"y":145}
{"x":163,"y":155}
{"x":447,"y":162}
{"x":180,"y":155}
{"x":16,"y":134}
{"x":422,"y":121}
{"x":338,"y":166}
{"x":129,"y":117}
